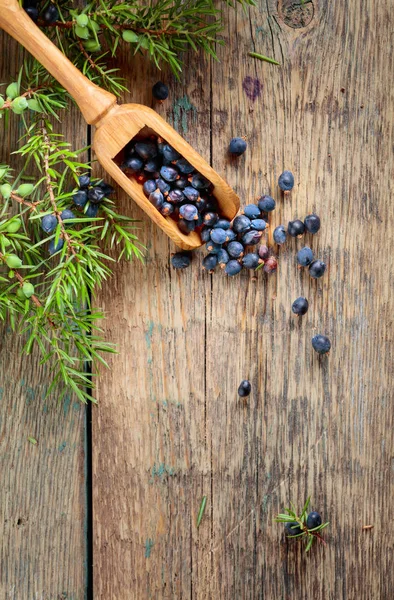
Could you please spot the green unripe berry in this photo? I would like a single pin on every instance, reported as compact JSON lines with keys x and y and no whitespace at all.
{"x":13,"y":261}
{"x":20,"y":293}
{"x":82,"y":20}
{"x":12,"y":90}
{"x":25,"y":189}
{"x":34,"y":105}
{"x":14,"y":226}
{"x":19,"y":105}
{"x":6,"y":242}
{"x":28,"y":289}
{"x":11,"y":274}
{"x":94,"y":26}
{"x":92,"y":46}
{"x":5,"y":190}
{"x":130,"y":36}
{"x":1,"y":101}
{"x":82,"y":32}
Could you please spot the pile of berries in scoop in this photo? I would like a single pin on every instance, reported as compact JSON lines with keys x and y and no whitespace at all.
{"x":87,"y":199}
{"x":171,"y":183}
{"x":49,"y":14}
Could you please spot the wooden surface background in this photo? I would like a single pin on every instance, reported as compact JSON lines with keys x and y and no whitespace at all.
{"x":169,"y":427}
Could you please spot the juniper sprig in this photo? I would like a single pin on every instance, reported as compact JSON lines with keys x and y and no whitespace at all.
{"x":298,"y":523}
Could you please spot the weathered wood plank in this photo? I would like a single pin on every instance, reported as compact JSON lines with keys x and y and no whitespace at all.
{"x":42,"y":496}
{"x":169,"y":427}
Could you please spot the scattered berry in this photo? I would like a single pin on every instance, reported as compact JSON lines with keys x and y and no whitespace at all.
{"x":213,"y":248}
{"x":270,"y":265}
{"x":244,"y":388}
{"x":241,"y":224}
{"x":206,"y":234}
{"x":223,"y":257}
{"x":231,"y":235}
{"x":222,"y":224}
{"x":264,"y":252}
{"x":300,"y":306}
{"x":296,"y":228}
{"x":293,"y":528}
{"x":181,"y":260}
{"x":160,"y":91}
{"x":266,"y":204}
{"x":252,"y":211}
{"x":313,"y":520}
{"x":209,"y":262}
{"x":304,"y":256}
{"x":312,"y":223}
{"x":258,"y":224}
{"x":317,"y":269}
{"x":251,"y":261}
{"x":219,"y":236}
{"x":286,"y":181}
{"x":280,"y":235}
{"x":235,"y":249}
{"x":237,"y":146}
{"x":321,"y":344}
{"x":251,"y":238}
{"x":233,"y":267}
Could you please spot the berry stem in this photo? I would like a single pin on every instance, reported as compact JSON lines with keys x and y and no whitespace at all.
{"x":31,"y":205}
{"x":26,"y":94}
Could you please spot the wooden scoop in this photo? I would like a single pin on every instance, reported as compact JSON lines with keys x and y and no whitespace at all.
{"x":116,"y":125}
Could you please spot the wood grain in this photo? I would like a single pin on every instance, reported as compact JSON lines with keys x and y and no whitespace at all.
{"x":169,"y":427}
{"x":42,"y":495}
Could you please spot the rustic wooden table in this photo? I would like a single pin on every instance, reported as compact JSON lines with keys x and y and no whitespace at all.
{"x":169,"y":427}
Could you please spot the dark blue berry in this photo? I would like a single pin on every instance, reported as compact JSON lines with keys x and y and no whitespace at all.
{"x":235,"y":249}
{"x":312,"y":223}
{"x":181,"y":260}
{"x":162,"y":185}
{"x":160,"y":91}
{"x":107,"y":188}
{"x":201,"y":204}
{"x":244,"y":388}
{"x":200,"y":182}
{"x":167,"y":209}
{"x":233,"y":267}
{"x":210,"y":218}
{"x":205,"y":234}
{"x":251,"y":238}
{"x":50,"y":14}
{"x":212,"y":204}
{"x":146,"y":150}
{"x":213,"y":248}
{"x":149,"y":186}
{"x":300,"y":306}
{"x":231,"y":235}
{"x":258,"y":224}
{"x":186,"y":227}
{"x":132,"y":163}
{"x":252,"y":211}
{"x":264,"y":252}
{"x":188,"y":212}
{"x":169,"y":173}
{"x":184,"y":166}
{"x":296,"y":228}
{"x":241,"y":224}
{"x":219,"y":236}
{"x":96,"y":195}
{"x":170,"y":153}
{"x":152,"y":165}
{"x":191,"y":193}
{"x":52,"y":249}
{"x":286,"y":181}
{"x":237,"y":146}
{"x":176,"y":197}
{"x":279,"y":234}
{"x":223,"y":257}
{"x":321,"y":344}
{"x":84,"y":181}
{"x":48,"y":223}
{"x":80,"y":198}
{"x":304,"y":256}
{"x":67,"y":214}
{"x":266,"y":204}
{"x":92,"y":210}
{"x":222,"y":224}
{"x":181,"y":182}
{"x":317,"y":269}
{"x":210,"y":261}
{"x":156,"y":198}
{"x":313,"y":520}
{"x":32,"y":12}
{"x":293,"y":528}
{"x":251,"y":261}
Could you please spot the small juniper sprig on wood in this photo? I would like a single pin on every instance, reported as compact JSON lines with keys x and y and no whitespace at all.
{"x":305,"y":526}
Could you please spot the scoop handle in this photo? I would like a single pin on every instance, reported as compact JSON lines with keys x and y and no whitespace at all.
{"x":93,"y":101}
